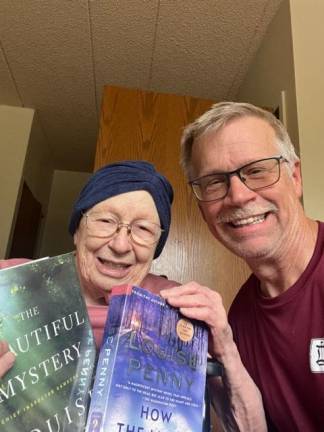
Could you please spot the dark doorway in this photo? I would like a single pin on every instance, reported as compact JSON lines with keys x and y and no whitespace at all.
{"x":28,"y":220}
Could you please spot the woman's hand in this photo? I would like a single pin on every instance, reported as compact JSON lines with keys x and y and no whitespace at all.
{"x":7,"y":358}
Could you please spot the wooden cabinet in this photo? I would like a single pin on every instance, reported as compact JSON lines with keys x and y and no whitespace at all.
{"x":138,"y":124}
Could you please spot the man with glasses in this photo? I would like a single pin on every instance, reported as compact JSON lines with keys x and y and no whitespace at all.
{"x":246,"y":177}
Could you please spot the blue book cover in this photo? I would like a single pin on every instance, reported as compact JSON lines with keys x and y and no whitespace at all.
{"x":151,"y":371}
{"x":44,"y":319}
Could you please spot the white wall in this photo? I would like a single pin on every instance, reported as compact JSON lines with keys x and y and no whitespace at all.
{"x":290,"y":59}
{"x":308,"y":36}
{"x":15,"y":128}
{"x":272,"y":71}
{"x":66,"y":187}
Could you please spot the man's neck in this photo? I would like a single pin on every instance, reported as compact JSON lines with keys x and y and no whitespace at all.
{"x":280,"y":271}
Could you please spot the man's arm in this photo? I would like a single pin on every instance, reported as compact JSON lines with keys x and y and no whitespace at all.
{"x":7,"y":358}
{"x":236,"y":398}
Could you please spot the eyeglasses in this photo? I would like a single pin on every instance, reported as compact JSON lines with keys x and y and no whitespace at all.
{"x":141,"y":231}
{"x":255,"y":175}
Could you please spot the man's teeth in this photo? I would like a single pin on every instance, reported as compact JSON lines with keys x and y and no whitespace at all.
{"x":249,"y":221}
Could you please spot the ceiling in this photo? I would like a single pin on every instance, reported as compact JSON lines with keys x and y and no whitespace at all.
{"x":56,"y":56}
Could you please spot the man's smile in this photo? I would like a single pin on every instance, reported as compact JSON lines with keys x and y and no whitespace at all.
{"x":251,"y":220}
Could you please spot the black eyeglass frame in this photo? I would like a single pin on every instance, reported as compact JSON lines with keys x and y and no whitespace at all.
{"x":236,"y":172}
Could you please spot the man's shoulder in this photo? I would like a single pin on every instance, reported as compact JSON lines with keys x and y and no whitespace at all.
{"x":12,"y":262}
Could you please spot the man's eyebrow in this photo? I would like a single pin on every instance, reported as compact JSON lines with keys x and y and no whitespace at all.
{"x":219,"y":172}
{"x":212,"y":172}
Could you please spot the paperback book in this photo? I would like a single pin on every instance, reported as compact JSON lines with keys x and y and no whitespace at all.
{"x":44,"y":319}
{"x":151,"y":371}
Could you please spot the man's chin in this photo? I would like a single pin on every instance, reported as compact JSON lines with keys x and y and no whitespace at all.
{"x":248,"y":249}
{"x":251,"y":254}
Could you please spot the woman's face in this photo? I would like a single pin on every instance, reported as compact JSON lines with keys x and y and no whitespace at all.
{"x":107,"y":261}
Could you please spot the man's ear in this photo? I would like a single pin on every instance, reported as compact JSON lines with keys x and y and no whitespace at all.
{"x":297,"y":178}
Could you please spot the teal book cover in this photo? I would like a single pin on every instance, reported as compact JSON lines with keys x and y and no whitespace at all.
{"x":44,"y":319}
{"x":151,"y":371}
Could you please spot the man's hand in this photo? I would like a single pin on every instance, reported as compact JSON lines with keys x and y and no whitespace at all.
{"x":7,"y":358}
{"x":235,"y":397}
{"x":201,"y":303}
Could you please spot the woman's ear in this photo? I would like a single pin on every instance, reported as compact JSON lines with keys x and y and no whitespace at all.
{"x":76,"y":237}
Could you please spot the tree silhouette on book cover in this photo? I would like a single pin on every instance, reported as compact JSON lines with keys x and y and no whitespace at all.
{"x":45,"y":321}
{"x":151,"y":370}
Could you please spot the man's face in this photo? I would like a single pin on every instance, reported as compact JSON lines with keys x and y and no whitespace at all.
{"x":252,"y":224}
{"x":105,"y":262}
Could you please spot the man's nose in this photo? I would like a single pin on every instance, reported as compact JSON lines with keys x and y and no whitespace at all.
{"x":238,"y":192}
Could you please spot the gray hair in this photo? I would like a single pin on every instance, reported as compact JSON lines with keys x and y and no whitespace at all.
{"x":220,"y":114}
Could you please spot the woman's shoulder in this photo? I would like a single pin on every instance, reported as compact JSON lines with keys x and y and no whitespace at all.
{"x":12,"y":262}
{"x":155,"y":283}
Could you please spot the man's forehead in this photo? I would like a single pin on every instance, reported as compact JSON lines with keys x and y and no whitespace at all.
{"x":236,"y":127}
{"x":239,"y":142}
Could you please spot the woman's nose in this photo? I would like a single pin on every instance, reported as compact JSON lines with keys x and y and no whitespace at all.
{"x":121,"y":241}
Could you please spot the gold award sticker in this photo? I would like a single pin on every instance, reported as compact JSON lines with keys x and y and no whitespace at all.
{"x":185,"y":330}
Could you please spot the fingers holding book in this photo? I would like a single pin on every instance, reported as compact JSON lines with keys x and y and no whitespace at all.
{"x":199,"y":302}
{"x":7,"y":358}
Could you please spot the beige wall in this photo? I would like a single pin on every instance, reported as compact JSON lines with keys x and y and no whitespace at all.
{"x":25,"y":156}
{"x":308,"y":37}
{"x":272,"y":71}
{"x":15,"y":128}
{"x":65,"y":189}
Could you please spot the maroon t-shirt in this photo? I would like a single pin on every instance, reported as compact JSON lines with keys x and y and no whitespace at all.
{"x":281,"y":342}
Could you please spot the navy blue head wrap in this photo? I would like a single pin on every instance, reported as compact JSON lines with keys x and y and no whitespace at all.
{"x":121,"y":177}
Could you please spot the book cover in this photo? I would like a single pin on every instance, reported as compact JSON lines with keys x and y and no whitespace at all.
{"x":44,"y":319}
{"x":151,"y":370}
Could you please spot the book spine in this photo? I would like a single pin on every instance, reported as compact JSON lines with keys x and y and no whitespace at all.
{"x":105,"y":367}
{"x":81,"y":391}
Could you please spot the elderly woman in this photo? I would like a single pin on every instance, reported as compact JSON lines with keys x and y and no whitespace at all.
{"x":119,"y":224}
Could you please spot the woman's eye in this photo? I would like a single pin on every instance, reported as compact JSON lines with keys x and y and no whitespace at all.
{"x":143,"y":227}
{"x":106,"y":221}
